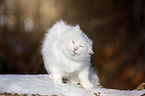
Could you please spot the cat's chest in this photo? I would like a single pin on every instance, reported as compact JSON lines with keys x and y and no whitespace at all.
{"x":71,"y":66}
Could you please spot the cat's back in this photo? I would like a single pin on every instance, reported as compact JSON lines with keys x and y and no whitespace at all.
{"x":53,"y":36}
{"x":59,"y":28}
{"x":55,"y":32}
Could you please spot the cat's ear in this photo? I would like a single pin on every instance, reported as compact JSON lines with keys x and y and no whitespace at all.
{"x":90,"y":47}
{"x":77,"y":27}
{"x":90,"y":51}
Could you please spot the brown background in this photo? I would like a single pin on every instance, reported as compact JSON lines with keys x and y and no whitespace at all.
{"x":117,"y":28}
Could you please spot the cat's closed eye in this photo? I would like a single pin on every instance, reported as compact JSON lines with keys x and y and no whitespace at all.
{"x":81,"y":46}
{"x":73,"y":42}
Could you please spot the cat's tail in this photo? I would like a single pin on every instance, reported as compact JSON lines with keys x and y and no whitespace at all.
{"x":94,"y":78}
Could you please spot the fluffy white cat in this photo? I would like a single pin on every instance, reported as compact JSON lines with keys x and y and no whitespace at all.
{"x":66,"y":51}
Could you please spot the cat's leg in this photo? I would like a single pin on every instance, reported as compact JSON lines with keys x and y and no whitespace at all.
{"x":56,"y":78}
{"x":74,"y":78}
{"x":93,"y":77}
{"x":55,"y":75}
{"x":84,"y":78}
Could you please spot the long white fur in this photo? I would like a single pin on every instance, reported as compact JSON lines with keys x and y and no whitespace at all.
{"x":66,"y":52}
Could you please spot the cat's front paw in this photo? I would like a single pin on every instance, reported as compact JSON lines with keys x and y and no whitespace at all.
{"x":56,"y":79}
{"x":75,"y":82}
{"x":86,"y":84}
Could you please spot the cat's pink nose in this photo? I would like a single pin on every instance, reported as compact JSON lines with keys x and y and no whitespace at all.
{"x":75,"y":49}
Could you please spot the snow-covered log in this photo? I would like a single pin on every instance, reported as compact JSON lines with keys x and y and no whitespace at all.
{"x":41,"y":84}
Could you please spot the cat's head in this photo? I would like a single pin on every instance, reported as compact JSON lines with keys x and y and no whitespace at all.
{"x":76,"y":44}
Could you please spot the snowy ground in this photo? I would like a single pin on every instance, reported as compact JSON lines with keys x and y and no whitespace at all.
{"x":40,"y":84}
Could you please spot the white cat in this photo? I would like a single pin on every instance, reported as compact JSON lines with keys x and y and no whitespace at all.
{"x":66,"y":52}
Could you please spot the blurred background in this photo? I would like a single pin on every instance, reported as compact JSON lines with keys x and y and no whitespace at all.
{"x":117,"y":28}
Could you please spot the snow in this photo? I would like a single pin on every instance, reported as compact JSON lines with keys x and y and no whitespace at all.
{"x":42,"y":85}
